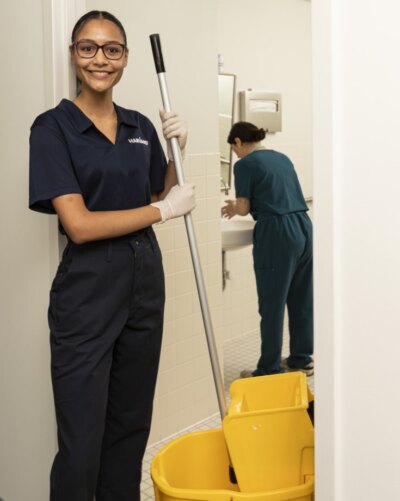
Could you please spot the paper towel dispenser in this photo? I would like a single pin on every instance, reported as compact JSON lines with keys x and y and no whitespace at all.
{"x":261,"y":108}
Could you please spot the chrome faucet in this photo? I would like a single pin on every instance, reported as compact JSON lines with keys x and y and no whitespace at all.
{"x":225,"y":186}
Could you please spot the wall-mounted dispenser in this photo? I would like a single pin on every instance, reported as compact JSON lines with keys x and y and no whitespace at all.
{"x":261,"y":108}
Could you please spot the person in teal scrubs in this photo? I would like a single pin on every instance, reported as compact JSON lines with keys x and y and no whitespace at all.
{"x":267,"y":186}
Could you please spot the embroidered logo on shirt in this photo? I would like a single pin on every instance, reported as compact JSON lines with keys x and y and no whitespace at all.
{"x":133,"y":140}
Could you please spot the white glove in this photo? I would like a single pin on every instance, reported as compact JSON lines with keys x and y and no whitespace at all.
{"x":174,"y":126}
{"x":179,"y":201}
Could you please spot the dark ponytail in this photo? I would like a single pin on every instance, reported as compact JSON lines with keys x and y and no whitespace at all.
{"x":246,"y":132}
{"x":97,"y":14}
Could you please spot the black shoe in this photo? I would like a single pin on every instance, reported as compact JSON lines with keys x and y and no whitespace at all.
{"x":307,"y":369}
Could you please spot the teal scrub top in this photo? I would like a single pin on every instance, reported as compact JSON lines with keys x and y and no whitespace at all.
{"x":268,"y":179}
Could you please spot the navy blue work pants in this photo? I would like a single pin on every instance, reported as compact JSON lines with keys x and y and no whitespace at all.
{"x":283,"y":265}
{"x":106,"y":318}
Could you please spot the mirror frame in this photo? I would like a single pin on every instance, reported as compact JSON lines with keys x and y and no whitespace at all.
{"x":226,"y":186}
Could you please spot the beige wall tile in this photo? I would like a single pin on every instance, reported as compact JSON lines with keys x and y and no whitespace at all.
{"x":196,"y":165}
{"x":213,"y":186}
{"x":165,"y":236}
{"x":183,"y":260}
{"x":184,"y":282}
{"x":200,"y":211}
{"x":200,"y":184}
{"x":185,"y":373}
{"x":213,"y":165}
{"x":183,"y":327}
{"x":183,"y":305}
{"x":168,"y":358}
{"x":168,"y":262}
{"x":169,"y":310}
{"x":166,"y":382}
{"x":180,"y":237}
{"x":169,"y":334}
{"x":214,"y":207}
{"x":185,"y":391}
{"x":184,"y":353}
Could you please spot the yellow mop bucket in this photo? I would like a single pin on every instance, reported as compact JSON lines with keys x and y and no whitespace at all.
{"x":195,"y":467}
{"x":270,"y":438}
{"x":268,"y":431}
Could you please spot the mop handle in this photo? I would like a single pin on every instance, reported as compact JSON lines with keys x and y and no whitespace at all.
{"x":219,"y":386}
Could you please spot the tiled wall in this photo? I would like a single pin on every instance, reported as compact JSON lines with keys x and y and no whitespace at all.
{"x":185,"y":390}
{"x":240,"y":295}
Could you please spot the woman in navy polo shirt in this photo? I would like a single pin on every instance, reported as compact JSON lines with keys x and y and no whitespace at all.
{"x":102,"y":169}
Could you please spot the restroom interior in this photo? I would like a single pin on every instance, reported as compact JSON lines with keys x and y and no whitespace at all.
{"x":185,"y":392}
{"x":185,"y":395}
{"x":355,"y":199}
{"x":268,"y":47}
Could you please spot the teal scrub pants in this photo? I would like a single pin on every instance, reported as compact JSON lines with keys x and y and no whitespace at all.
{"x":282,"y":254}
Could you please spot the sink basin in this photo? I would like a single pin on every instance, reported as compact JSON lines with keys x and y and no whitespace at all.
{"x":236,"y":233}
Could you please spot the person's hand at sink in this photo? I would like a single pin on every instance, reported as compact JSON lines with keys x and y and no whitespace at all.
{"x":237,"y":207}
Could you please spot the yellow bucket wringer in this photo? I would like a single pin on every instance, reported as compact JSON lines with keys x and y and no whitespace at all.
{"x":270,"y":438}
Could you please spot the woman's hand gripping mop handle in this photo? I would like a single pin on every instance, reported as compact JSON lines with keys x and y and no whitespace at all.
{"x":159,"y":62}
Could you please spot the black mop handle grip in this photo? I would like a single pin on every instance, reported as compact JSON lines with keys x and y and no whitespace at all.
{"x":157,"y":53}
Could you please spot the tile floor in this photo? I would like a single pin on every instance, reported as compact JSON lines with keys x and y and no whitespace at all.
{"x":241,"y":353}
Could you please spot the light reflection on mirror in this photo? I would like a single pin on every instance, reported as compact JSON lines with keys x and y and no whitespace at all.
{"x":226,"y":100}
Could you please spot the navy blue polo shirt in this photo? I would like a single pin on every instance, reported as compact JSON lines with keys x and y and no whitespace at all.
{"x":68,"y":154}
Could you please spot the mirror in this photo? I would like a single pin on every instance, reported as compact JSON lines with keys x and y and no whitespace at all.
{"x":226,"y":104}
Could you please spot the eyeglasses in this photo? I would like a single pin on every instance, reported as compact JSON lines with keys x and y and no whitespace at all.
{"x":88,"y":50}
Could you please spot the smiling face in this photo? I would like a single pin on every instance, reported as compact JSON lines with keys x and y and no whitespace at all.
{"x":99,"y":74}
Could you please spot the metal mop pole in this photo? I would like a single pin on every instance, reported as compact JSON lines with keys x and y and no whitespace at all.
{"x":159,"y":62}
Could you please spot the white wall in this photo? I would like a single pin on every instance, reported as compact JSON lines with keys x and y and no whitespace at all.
{"x":267,"y":43}
{"x":357,"y":221}
{"x":27,"y":430}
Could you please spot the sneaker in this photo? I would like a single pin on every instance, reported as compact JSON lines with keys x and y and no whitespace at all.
{"x":307,"y":369}
{"x":246,"y":373}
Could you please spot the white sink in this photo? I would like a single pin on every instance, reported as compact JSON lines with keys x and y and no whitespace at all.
{"x":236,"y":233}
